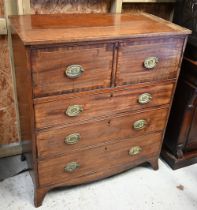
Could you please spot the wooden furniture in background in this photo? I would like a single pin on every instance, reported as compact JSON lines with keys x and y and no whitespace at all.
{"x":180,"y":143}
{"x":143,"y":5}
{"x":94,"y":92}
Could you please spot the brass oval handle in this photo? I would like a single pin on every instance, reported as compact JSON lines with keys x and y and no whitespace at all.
{"x":139,"y":124}
{"x":72,"y":166}
{"x":74,"y":110}
{"x":151,"y":62}
{"x":72,"y":138}
{"x":144,"y":98}
{"x":135,"y":150}
{"x":74,"y":71}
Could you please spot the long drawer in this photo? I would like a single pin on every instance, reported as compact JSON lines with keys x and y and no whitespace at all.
{"x":148,"y":60}
{"x":71,"y":138}
{"x":75,"y":108}
{"x":77,"y":167}
{"x":71,"y":68}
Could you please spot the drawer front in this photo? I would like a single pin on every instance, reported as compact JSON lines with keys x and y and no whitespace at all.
{"x":113,"y":157}
{"x":56,"y":111}
{"x":68,"y":69}
{"x":69,"y":139}
{"x":148,"y":60}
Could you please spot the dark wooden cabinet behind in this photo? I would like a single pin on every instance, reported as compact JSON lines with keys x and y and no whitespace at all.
{"x":94,"y":92}
{"x":180,"y":142}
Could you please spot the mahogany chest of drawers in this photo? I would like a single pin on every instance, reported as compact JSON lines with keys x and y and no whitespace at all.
{"x":94,"y":93}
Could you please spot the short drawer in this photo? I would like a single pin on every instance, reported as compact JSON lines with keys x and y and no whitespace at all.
{"x":78,"y":167}
{"x":148,"y":60}
{"x":75,"y":108}
{"x":71,"y":138}
{"x":74,"y":68}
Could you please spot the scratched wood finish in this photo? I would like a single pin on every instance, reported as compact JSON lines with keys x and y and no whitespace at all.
{"x":25,"y":103}
{"x":111,"y":156}
{"x":132,"y":55}
{"x":23,"y":84}
{"x":51,"y":142}
{"x":50,"y":78}
{"x":52,"y":113}
{"x":59,"y":28}
{"x":109,"y":111}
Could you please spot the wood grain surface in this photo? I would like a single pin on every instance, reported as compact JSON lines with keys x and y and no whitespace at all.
{"x":23,"y":84}
{"x":48,"y":114}
{"x":100,"y":159}
{"x":39,"y":29}
{"x":109,"y":111}
{"x":50,"y":78}
{"x":51,"y":143}
{"x":25,"y":104}
{"x":133,"y":54}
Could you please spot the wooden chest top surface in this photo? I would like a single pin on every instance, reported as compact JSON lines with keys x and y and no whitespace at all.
{"x":61,"y":28}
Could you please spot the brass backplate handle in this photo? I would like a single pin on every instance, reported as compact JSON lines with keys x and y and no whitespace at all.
{"x":74,"y":110}
{"x":72,"y":138}
{"x":135,"y":150}
{"x":144,"y":98}
{"x":151,"y":62}
{"x":74,"y":71}
{"x":72,"y":166}
{"x":139,"y":124}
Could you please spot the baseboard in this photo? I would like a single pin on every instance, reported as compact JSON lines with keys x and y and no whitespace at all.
{"x":7,"y":150}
